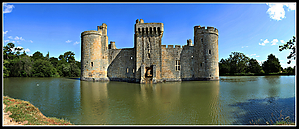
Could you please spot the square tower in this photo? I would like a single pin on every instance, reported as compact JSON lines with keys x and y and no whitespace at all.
{"x":147,"y":43}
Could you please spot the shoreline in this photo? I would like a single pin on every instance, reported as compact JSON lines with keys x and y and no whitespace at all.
{"x":19,"y":112}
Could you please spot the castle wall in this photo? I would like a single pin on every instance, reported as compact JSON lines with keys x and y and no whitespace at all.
{"x":121,"y":64}
{"x":169,"y":57}
{"x":187,"y":63}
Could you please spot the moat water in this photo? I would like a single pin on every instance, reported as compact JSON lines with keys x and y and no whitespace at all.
{"x":231,"y":101}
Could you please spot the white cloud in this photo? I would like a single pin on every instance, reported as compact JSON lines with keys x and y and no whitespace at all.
{"x":6,"y":41}
{"x":27,"y":50}
{"x":68,"y":41}
{"x":257,"y":56}
{"x":10,"y":37}
{"x":244,"y":46}
{"x":31,"y":41}
{"x":21,"y":38}
{"x":276,"y":11}
{"x":252,"y":54}
{"x":7,"y":8}
{"x":264,"y":42}
{"x":76,"y":42}
{"x":17,"y":38}
{"x":282,"y":41}
{"x":274,"y":42}
{"x":291,"y":6}
{"x":5,"y":32}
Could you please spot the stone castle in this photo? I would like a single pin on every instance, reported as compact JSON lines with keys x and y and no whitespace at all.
{"x":149,"y":61}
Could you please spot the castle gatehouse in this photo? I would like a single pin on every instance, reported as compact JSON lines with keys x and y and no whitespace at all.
{"x":149,"y":61}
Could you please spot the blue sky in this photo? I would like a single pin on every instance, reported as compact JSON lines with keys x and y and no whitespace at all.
{"x":256,"y":29}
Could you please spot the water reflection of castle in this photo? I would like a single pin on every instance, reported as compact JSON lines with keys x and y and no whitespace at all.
{"x":149,"y":104}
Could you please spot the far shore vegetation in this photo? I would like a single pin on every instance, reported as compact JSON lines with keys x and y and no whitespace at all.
{"x":238,"y":64}
{"x":16,"y":63}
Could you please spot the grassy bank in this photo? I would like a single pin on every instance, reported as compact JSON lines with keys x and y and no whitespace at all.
{"x":24,"y":111}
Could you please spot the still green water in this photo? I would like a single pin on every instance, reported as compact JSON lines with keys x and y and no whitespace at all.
{"x":230,"y":101}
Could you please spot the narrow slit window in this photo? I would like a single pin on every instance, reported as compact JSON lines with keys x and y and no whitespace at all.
{"x":177,"y":65}
{"x":209,"y":51}
{"x":127,"y":70}
{"x":91,"y":63}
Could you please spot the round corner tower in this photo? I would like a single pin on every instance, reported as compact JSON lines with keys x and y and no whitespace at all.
{"x":94,"y":60}
{"x":206,"y":53}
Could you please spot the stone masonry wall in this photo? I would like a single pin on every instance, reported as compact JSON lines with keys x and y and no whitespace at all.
{"x":121,"y":64}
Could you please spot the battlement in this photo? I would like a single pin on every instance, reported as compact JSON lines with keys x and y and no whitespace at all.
{"x":148,"y":28}
{"x":103,"y":29}
{"x":203,"y":29}
{"x":91,"y":32}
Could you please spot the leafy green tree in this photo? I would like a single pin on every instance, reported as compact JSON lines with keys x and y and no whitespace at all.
{"x":15,"y":67}
{"x":5,"y":68}
{"x":254,"y":66}
{"x":68,"y":57}
{"x":8,"y":51}
{"x":37,"y":55}
{"x":26,"y":66}
{"x":238,"y":62}
{"x":54,"y":61}
{"x":292,"y":46}
{"x":224,"y":66}
{"x":272,"y":64}
{"x":43,"y":68}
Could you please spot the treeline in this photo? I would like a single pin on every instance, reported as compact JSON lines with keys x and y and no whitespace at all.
{"x":239,"y":64}
{"x":18,"y":64}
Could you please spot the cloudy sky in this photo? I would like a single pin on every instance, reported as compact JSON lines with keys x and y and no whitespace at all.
{"x":256,"y":29}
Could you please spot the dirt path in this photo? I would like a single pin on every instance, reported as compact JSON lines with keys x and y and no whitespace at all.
{"x":7,"y":120}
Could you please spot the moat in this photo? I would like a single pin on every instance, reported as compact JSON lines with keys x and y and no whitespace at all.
{"x":232,"y":100}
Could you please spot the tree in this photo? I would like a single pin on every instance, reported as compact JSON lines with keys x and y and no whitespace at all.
{"x":272,"y":64}
{"x":238,"y":62}
{"x":37,"y":55}
{"x":7,"y":51}
{"x":224,"y":66}
{"x":68,"y":57}
{"x":290,"y":45}
{"x":5,"y":68}
{"x":43,"y":68}
{"x":26,"y":66}
{"x":254,"y":66}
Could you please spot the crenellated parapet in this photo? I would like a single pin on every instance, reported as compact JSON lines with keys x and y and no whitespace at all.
{"x":145,"y":29}
{"x":208,"y":30}
{"x":91,"y":32}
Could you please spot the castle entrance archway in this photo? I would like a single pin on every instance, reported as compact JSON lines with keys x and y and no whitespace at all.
{"x":149,"y":72}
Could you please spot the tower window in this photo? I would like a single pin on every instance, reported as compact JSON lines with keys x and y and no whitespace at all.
{"x":127,"y":70}
{"x":209,"y":51}
{"x":177,"y":65}
{"x":201,"y":40}
{"x":148,"y":55}
{"x":200,"y":64}
{"x":91,"y":63}
{"x":131,"y":57}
